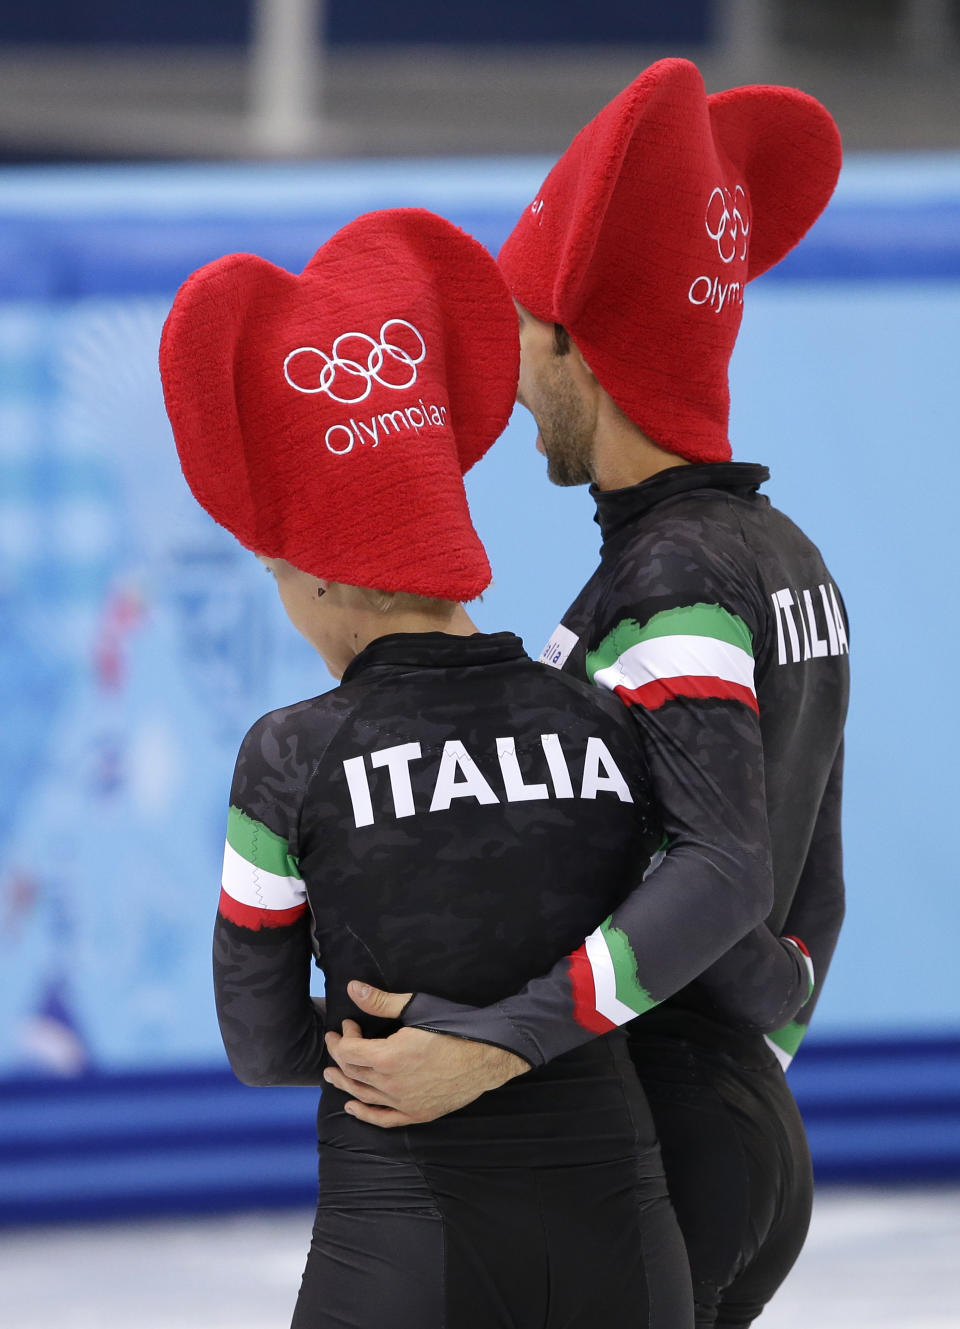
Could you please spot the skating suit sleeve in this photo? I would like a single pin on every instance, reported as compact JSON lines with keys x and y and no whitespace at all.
{"x":817,"y":911}
{"x":673,"y":628}
{"x":271,"y":1029}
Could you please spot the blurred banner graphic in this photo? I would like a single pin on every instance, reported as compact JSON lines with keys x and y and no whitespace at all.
{"x":137,"y":645}
{"x":138,"y":641}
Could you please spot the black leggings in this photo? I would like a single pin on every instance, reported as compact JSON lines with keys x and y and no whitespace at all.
{"x":738,"y":1169}
{"x":401,"y":1244}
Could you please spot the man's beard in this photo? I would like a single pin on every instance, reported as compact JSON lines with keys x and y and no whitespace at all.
{"x":566,"y":435}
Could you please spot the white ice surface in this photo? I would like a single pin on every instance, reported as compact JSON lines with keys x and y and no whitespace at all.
{"x":873,"y":1260}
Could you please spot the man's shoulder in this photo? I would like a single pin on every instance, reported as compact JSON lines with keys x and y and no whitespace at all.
{"x":697,"y":523}
{"x":693,"y":552}
{"x":739,"y":544}
{"x":709,"y":523}
{"x":784,"y":538}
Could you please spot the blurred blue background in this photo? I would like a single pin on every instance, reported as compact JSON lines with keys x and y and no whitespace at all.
{"x":140,"y":641}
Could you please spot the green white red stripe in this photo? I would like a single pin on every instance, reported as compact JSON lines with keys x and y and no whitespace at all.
{"x":808,"y":962}
{"x":784,"y":1042}
{"x":261,"y":884}
{"x":696,"y":650}
{"x":603,"y":977}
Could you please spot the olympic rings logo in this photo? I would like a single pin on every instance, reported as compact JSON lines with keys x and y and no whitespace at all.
{"x":726,"y":223}
{"x":355,"y":368}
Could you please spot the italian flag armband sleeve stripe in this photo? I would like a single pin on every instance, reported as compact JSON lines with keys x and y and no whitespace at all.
{"x":261,"y":884}
{"x":700,"y":651}
{"x":808,"y":962}
{"x":603,"y":977}
{"x":784,"y":1042}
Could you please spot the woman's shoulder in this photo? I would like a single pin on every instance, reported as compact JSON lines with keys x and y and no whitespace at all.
{"x":278,"y":756}
{"x":303,"y":723}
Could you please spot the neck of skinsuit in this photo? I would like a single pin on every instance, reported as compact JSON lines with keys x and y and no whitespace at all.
{"x":617,"y":509}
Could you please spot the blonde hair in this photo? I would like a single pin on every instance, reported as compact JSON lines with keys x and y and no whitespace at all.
{"x":386,"y":602}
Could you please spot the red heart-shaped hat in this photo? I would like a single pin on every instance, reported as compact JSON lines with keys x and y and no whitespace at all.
{"x":645,"y":233}
{"x":328,"y":418}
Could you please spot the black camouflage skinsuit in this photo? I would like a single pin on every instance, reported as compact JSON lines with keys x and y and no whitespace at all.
{"x":450,"y":817}
{"x":713,"y":617}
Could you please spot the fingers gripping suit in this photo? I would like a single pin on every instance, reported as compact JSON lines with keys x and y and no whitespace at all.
{"x":450,"y":817}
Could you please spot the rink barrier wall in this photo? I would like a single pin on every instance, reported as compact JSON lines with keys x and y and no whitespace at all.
{"x":879,"y":1112}
{"x":381,"y":23}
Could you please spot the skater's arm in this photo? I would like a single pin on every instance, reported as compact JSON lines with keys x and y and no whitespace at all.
{"x":818,"y":908}
{"x":686,"y":676}
{"x":271,"y":1028}
{"x":262,"y":948}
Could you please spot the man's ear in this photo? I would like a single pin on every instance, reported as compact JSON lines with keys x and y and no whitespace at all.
{"x":582,"y":362}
